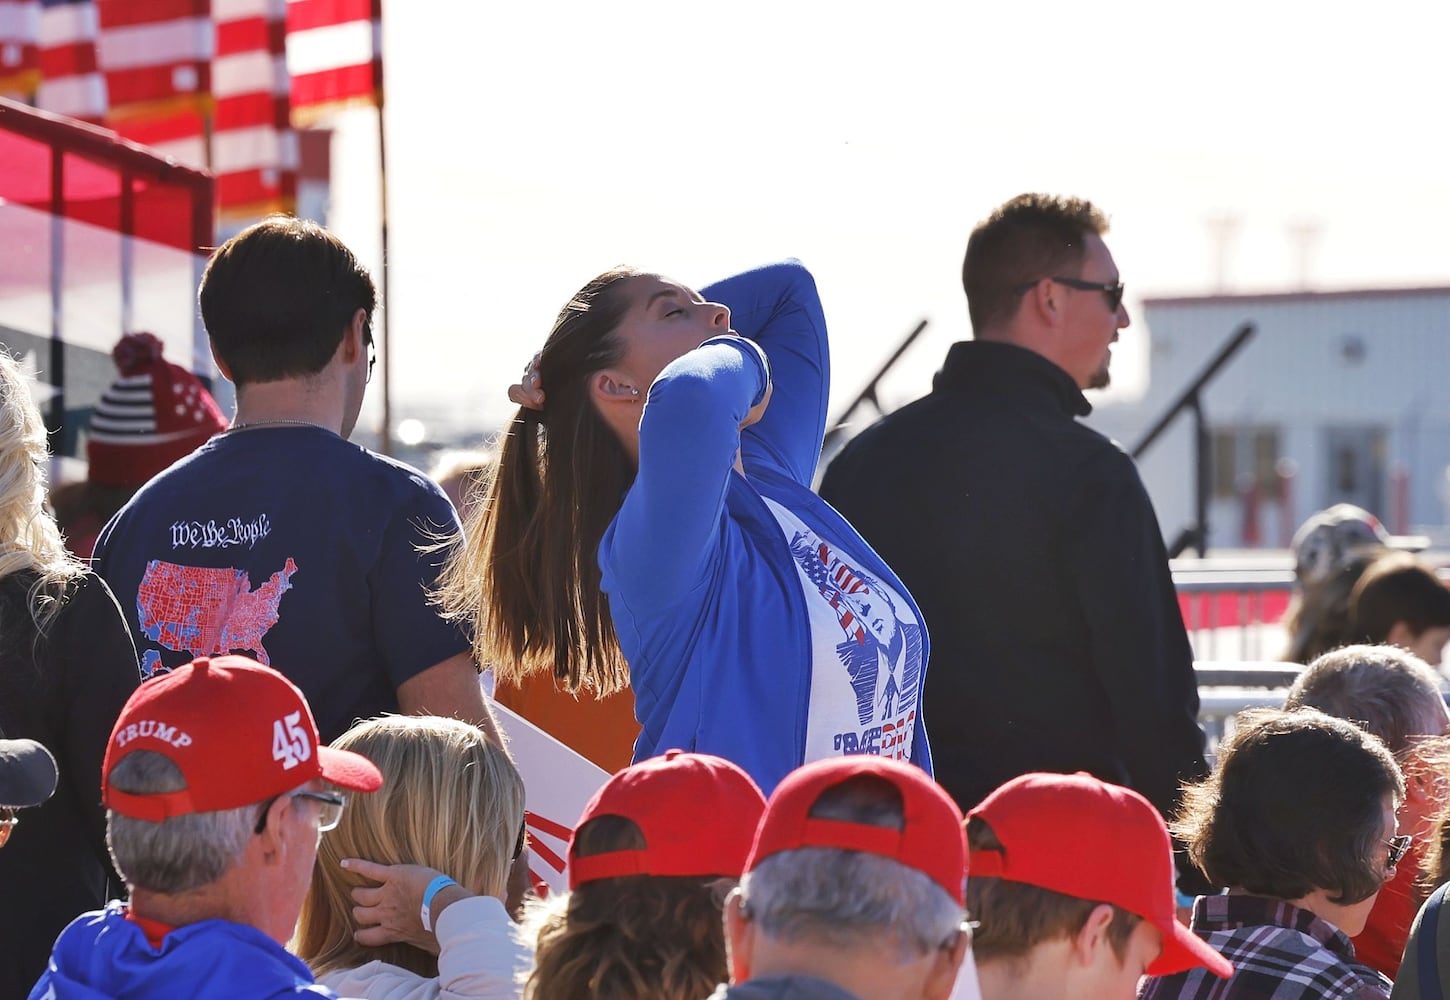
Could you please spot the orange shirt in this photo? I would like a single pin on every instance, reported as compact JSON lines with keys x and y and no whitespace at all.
{"x":602,"y":730}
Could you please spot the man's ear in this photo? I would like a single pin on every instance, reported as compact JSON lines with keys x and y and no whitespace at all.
{"x":221,"y":366}
{"x":1045,"y":299}
{"x":1089,"y":942}
{"x":1400,"y":634}
{"x":946,"y":966}
{"x":354,"y":342}
{"x":273,"y":838}
{"x":739,"y":937}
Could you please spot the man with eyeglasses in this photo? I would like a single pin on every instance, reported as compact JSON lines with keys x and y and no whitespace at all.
{"x":280,"y":538}
{"x":1027,"y":538}
{"x":217,"y":789}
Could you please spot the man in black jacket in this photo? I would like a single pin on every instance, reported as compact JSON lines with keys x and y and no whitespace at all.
{"x":1028,"y":538}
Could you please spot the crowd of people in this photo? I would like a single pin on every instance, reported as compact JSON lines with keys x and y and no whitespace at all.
{"x":931,"y":733}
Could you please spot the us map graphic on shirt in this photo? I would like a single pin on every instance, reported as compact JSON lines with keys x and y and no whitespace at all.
{"x":207,"y":612}
{"x":880,"y":652}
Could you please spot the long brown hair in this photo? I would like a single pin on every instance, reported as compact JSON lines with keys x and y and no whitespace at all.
{"x":527,"y":575}
{"x":639,"y":937}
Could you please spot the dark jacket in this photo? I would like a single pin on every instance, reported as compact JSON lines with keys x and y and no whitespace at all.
{"x":64,"y":689}
{"x":1033,"y":551}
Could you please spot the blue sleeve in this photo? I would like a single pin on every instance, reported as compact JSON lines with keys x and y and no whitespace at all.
{"x":409,"y":632}
{"x":659,"y":543}
{"x":777,"y":306}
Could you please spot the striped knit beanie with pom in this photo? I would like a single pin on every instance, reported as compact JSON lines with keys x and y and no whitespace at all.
{"x":153,"y":415}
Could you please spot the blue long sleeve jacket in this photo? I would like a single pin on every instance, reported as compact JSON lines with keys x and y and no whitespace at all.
{"x":102,"y":954}
{"x":702,"y":589}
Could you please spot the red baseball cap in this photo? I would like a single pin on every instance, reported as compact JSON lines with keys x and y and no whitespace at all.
{"x":697,"y":814}
{"x":240,"y":733}
{"x":1079,"y":836}
{"x":931,"y":840}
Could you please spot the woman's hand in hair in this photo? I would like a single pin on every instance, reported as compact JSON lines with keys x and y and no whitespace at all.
{"x":391,"y":912}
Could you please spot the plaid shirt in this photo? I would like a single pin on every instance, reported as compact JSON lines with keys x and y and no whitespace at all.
{"x":1279,"y":952}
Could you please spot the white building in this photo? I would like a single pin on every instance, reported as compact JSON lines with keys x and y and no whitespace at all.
{"x":1339,"y":396}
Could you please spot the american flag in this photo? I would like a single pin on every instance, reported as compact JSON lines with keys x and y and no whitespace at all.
{"x":70,"y":79}
{"x":179,"y":134}
{"x":19,"y":54}
{"x":334,"y":55}
{"x":254,"y":150}
{"x":156,"y":56}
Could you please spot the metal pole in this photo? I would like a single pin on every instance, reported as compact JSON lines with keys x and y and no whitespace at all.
{"x":57,"y":299}
{"x":385,"y":341}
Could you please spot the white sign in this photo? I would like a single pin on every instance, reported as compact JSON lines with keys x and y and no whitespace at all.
{"x":558,"y":784}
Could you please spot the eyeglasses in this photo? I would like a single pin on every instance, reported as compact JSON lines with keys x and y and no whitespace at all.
{"x":328,"y":815}
{"x":372,"y":350}
{"x":967,"y":928}
{"x":8,"y":819}
{"x":523,"y":837}
{"x":1398,"y":846}
{"x":1113,"y":293}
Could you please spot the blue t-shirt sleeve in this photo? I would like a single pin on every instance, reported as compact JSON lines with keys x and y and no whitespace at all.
{"x":778,"y":307}
{"x":408,"y":630}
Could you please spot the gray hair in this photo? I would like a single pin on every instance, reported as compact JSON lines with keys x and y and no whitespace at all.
{"x":846,"y":898}
{"x":176,"y":854}
{"x":1384,"y":690}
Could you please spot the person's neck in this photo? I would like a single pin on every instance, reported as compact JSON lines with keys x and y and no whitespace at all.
{"x":209,"y":902}
{"x":867,"y":972}
{"x":1022,"y":978}
{"x":288,"y":402}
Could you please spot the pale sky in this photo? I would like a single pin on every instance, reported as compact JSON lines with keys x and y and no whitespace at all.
{"x":534,"y":144}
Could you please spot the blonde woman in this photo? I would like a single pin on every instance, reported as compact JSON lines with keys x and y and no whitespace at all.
{"x":441,"y":833}
{"x":67,"y":665}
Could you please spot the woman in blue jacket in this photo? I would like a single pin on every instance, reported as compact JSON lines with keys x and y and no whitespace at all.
{"x":652,"y":524}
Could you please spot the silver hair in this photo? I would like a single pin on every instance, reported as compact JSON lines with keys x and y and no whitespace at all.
{"x":848,"y":898}
{"x":1385,"y":690}
{"x":176,"y":854}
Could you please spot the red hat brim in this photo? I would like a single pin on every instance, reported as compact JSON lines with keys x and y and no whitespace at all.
{"x":349,"y":770}
{"x":1184,"y":950}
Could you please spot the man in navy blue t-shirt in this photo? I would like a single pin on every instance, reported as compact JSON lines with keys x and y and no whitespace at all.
{"x":279,"y":538}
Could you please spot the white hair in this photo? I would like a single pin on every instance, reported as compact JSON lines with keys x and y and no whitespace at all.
{"x":176,"y":854}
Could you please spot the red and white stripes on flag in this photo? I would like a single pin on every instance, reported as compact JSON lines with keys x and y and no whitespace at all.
{"x":254,"y":150}
{"x":70,"y":78}
{"x":156,"y":56}
{"x":19,"y":52}
{"x":334,"y":55}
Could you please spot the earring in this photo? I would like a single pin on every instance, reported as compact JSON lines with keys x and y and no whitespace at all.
{"x":633,"y":391}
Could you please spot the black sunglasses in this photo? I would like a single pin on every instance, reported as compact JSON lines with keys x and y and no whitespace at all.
{"x":523,"y":837}
{"x":1113,"y":293}
{"x":1398,"y":846}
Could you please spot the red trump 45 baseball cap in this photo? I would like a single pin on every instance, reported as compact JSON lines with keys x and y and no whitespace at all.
{"x":239,"y":732}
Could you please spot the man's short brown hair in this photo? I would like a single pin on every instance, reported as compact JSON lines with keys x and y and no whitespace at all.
{"x":1015,"y":917}
{"x":1031,"y":237}
{"x":1397,"y":587}
{"x":278,"y":297}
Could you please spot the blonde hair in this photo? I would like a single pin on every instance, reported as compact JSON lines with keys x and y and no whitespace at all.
{"x":450,"y":800}
{"x":638,"y":937}
{"x":29,"y":538}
